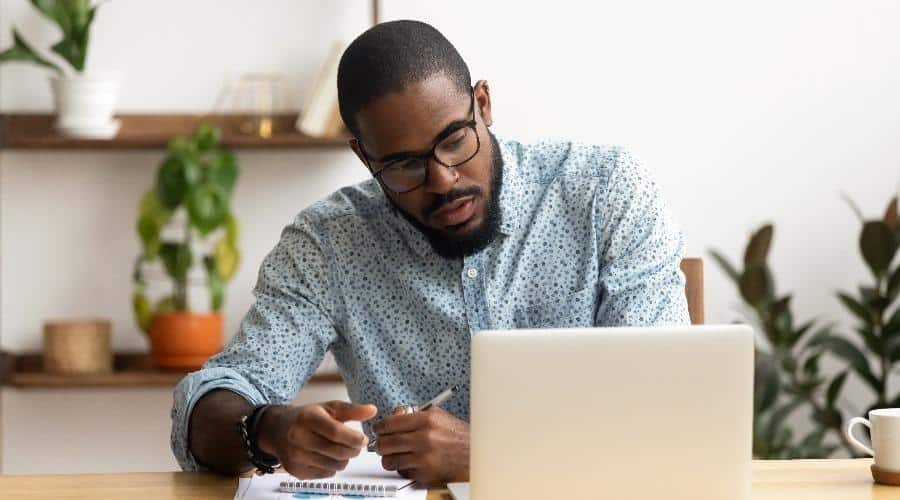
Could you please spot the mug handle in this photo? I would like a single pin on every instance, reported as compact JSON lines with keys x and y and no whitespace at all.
{"x":852,"y":439}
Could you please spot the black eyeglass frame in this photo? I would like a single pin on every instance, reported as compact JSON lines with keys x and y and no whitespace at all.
{"x":473,"y":124}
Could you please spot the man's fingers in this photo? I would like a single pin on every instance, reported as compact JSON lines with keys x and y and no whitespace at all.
{"x":337,"y":451}
{"x":326,"y":426}
{"x":399,"y":461}
{"x":400,"y":423}
{"x":313,"y":459}
{"x":403,"y":442}
{"x":344,"y":411}
{"x":303,"y":471}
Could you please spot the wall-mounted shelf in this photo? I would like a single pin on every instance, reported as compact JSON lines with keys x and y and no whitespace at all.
{"x":129,"y":370}
{"x":138,"y":131}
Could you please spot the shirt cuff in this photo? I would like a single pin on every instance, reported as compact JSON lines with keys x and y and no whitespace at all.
{"x":193,"y":387}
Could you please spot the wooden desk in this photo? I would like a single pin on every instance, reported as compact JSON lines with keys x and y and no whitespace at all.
{"x":772,"y":480}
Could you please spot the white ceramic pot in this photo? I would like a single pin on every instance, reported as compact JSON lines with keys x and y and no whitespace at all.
{"x":85,"y":105}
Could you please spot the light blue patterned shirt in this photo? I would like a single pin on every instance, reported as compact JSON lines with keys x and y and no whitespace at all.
{"x":585,"y":238}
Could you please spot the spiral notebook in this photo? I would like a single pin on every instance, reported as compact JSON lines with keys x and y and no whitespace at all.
{"x":363,"y":477}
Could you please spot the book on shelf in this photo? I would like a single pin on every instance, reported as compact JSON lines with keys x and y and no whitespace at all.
{"x":320,"y":116}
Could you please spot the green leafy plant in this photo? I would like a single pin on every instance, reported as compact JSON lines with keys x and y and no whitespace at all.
{"x":876,"y":309}
{"x":787,"y":375}
{"x":197,"y":176}
{"x":74,"y":18}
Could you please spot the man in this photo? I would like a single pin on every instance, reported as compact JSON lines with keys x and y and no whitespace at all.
{"x":457,"y":232}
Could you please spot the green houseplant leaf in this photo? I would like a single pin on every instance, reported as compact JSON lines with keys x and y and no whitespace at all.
{"x":149,"y":229}
{"x":893,"y":287}
{"x":164,"y":305}
{"x":152,"y":216}
{"x":73,"y":51}
{"x":57,"y":11}
{"x":232,"y":230}
{"x":177,"y":259}
{"x":206,"y":137}
{"x":207,"y":205}
{"x":142,"y":310}
{"x":892,"y":327}
{"x":890,"y":215}
{"x":878,"y":245}
{"x":22,"y":52}
{"x":758,"y":248}
{"x":223,"y":170}
{"x":216,"y":286}
{"x":177,"y":176}
{"x":754,"y":284}
{"x":892,"y":348}
{"x":834,"y":389}
{"x":856,"y":308}
{"x":854,"y":357}
{"x":726,"y":266}
{"x":74,"y":18}
{"x":767,"y":383}
{"x":215,"y":282}
{"x":227,"y":258}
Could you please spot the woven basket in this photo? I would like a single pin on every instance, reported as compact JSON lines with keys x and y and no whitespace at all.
{"x":77,"y":346}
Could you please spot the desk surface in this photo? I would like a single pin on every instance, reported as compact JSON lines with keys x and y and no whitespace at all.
{"x":772,"y":480}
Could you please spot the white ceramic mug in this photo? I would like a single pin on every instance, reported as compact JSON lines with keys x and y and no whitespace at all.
{"x":884,"y":426}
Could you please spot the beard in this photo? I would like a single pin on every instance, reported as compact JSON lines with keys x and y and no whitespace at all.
{"x":453,"y":247}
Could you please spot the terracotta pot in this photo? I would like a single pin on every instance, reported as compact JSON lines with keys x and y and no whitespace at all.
{"x":184,"y":340}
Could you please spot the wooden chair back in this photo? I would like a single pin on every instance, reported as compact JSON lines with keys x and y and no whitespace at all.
{"x":692,"y":267}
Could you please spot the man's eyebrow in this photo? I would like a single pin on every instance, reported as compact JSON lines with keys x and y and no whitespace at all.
{"x":449,"y":129}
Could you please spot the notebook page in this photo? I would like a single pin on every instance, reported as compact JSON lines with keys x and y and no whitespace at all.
{"x":365,"y":469}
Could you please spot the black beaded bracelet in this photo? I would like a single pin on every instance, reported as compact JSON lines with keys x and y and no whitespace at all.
{"x":247,"y":427}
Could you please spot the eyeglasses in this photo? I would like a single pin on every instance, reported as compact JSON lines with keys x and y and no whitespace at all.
{"x":452,"y":148}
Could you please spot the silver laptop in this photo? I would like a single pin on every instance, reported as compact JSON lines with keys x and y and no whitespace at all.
{"x":617,"y":413}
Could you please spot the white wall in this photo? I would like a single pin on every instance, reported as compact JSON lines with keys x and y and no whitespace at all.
{"x":746,"y":111}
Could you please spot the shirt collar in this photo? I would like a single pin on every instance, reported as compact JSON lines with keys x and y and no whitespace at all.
{"x":510,"y":193}
{"x":509,"y":215}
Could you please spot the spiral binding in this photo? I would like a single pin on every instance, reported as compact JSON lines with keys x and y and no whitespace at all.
{"x":332,"y":488}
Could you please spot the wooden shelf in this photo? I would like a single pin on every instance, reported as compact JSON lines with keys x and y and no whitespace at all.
{"x":129,"y":370}
{"x":140,"y":131}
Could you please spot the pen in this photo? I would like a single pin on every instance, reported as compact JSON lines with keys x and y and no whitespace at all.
{"x":435,"y":401}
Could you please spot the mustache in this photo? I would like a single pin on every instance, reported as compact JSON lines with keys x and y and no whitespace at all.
{"x":450,"y":197}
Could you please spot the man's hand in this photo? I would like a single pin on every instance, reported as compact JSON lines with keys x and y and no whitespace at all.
{"x":312,"y":441}
{"x":431,"y":447}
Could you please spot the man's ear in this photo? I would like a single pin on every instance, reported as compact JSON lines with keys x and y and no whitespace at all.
{"x":354,"y":145}
{"x":483,"y":102}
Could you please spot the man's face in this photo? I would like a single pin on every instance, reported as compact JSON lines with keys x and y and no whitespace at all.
{"x":454,"y":208}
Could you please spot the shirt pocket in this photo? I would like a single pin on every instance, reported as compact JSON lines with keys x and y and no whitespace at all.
{"x":568,"y":311}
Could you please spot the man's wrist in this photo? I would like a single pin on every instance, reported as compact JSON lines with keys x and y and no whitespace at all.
{"x":267,"y":429}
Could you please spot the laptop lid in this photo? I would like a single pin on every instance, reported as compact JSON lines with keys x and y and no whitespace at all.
{"x":620,"y":413}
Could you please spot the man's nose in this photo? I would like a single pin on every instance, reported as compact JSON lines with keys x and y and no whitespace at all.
{"x":441,"y":179}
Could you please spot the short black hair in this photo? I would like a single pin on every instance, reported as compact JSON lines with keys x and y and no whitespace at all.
{"x":389,"y":57}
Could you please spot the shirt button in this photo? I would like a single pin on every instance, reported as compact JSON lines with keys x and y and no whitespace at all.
{"x":472,"y":273}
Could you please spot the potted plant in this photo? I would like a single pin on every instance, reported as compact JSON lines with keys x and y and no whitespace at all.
{"x":787,"y":378}
{"x":191,"y":199}
{"x":84,"y":102}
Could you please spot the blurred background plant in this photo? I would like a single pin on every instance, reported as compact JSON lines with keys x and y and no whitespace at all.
{"x":876,"y":309}
{"x":198,"y":177}
{"x":74,"y":18}
{"x":787,"y":376}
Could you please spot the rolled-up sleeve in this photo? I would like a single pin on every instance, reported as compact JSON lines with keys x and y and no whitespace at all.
{"x":282,"y":339}
{"x":640,"y":251}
